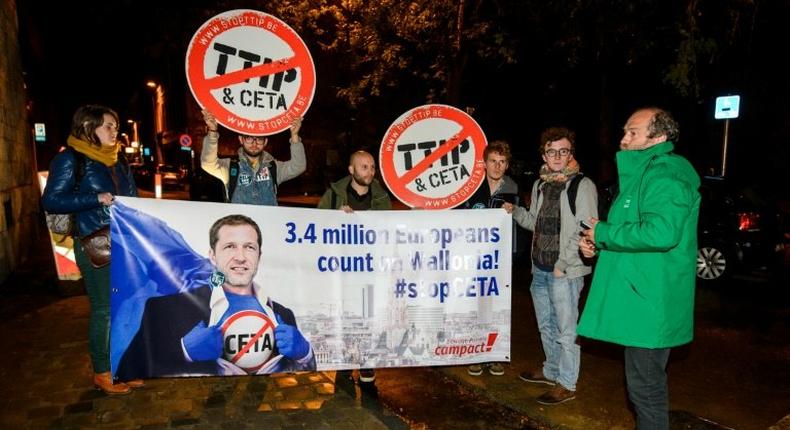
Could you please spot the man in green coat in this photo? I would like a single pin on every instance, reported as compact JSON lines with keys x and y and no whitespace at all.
{"x":642,"y":293}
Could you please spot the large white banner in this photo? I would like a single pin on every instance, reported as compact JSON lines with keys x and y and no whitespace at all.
{"x":366,"y":289}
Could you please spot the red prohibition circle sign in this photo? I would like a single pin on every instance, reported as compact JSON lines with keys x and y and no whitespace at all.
{"x":431,"y":157}
{"x":244,"y":357}
{"x":251,"y":70}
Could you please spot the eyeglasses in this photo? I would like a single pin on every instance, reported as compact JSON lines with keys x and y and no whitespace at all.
{"x":563,"y":152}
{"x":260,"y":140}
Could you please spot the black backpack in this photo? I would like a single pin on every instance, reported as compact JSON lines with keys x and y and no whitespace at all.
{"x":605,"y":197}
{"x":233,"y":177}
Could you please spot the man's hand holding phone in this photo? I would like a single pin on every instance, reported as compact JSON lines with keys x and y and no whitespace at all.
{"x":587,"y":241}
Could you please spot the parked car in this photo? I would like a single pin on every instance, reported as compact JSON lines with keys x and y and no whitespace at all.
{"x":172,"y":177}
{"x":738,"y":230}
{"x":143,"y":175}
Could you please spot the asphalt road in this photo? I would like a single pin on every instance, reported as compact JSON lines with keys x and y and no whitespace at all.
{"x":735,"y":374}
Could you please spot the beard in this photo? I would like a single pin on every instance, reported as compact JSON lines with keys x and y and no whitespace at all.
{"x":252,"y":154}
{"x":361,"y":180}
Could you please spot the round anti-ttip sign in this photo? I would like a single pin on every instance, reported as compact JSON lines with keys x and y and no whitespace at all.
{"x":251,"y":70}
{"x":248,"y":339}
{"x":432,"y":157}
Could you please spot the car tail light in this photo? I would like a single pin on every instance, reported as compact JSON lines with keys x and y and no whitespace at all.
{"x":748,"y":221}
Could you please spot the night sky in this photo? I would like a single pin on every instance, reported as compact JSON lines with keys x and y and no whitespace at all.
{"x":104,"y":51}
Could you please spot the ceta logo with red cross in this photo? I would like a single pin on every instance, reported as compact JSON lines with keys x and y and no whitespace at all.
{"x":432,"y":157}
{"x":248,"y":339}
{"x":251,"y":70}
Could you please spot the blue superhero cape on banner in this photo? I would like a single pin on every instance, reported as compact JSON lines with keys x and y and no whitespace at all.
{"x":153,"y":260}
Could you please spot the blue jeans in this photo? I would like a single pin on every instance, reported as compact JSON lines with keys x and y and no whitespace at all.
{"x":646,"y":378}
{"x":556,"y":303}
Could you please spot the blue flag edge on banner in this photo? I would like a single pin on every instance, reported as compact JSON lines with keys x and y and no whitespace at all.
{"x":150,"y":259}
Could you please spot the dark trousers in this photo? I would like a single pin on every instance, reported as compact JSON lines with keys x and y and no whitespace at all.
{"x":97,"y":285}
{"x":646,"y":378}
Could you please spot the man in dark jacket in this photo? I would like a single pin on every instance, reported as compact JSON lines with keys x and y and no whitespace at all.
{"x":358,"y":191}
{"x":497,"y":189}
{"x":229,"y":327}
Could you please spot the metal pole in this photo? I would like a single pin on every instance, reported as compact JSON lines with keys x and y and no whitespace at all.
{"x":724,"y":153}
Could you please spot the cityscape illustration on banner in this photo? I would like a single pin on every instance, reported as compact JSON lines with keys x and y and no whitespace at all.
{"x":251,"y":70}
{"x":431,"y":157}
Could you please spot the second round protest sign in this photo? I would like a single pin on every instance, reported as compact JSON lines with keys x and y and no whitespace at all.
{"x":432,"y":157}
{"x":251,"y":70}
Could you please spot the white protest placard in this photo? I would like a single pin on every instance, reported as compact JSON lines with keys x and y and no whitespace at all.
{"x":251,"y":70}
{"x":431,"y":157}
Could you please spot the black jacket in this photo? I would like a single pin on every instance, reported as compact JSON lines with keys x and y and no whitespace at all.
{"x":156,"y":348}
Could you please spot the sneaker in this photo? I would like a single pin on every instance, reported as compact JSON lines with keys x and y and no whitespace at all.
{"x":496,"y":369}
{"x":475,"y":370}
{"x":536,"y":377}
{"x":556,"y":395}
{"x":367,"y":375}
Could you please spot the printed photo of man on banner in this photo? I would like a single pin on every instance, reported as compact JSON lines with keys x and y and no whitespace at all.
{"x":289,"y":289}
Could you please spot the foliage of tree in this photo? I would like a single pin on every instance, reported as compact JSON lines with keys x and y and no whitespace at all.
{"x":424,"y":46}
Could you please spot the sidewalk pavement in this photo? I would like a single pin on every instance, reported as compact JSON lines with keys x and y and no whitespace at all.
{"x":45,"y":382}
{"x":46,"y":378}
{"x":740,"y":379}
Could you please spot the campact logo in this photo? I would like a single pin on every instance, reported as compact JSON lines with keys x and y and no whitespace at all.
{"x":461,"y":347}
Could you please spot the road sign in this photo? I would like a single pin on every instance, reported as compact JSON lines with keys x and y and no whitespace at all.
{"x":727,"y":107}
{"x":40,"y":131}
{"x":251,"y":70}
{"x":432,"y":157}
{"x":185,"y":140}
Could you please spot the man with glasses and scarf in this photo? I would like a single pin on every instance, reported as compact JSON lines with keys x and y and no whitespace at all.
{"x":561,"y":199}
{"x":253,"y":178}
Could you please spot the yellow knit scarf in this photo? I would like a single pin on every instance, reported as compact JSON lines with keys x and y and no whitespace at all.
{"x":107,"y":155}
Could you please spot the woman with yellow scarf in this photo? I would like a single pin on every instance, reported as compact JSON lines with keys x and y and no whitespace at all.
{"x":83,"y":180}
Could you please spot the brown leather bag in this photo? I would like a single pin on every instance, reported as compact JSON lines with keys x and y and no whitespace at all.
{"x":97,"y":247}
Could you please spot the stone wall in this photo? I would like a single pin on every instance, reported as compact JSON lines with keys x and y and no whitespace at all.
{"x":20,"y":218}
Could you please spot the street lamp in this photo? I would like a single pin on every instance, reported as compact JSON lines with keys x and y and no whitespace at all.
{"x":135,"y":135}
{"x":136,"y":150}
{"x":159,"y":129}
{"x":159,"y":106}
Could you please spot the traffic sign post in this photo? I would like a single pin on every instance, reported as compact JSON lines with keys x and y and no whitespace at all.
{"x":431,"y":157}
{"x":185,"y":140}
{"x":726,"y":108}
{"x":251,"y":70}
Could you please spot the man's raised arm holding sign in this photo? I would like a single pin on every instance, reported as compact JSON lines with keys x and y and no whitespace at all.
{"x":253,"y":177}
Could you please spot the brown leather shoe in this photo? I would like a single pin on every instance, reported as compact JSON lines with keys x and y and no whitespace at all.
{"x":103,"y":381}
{"x":535,"y":376}
{"x":556,"y":395}
{"x":135,"y":383}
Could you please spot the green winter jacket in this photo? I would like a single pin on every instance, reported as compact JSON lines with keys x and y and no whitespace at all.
{"x":642,"y":292}
{"x":379,"y":200}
